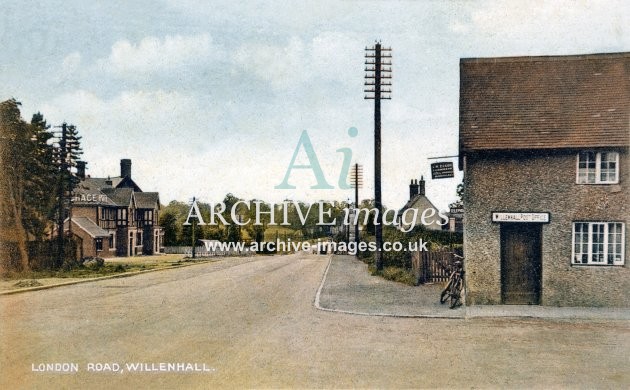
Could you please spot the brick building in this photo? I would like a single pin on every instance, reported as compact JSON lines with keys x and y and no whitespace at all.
{"x":113,"y":217}
{"x":544,"y":145}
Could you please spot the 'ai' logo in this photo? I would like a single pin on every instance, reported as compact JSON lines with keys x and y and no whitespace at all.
{"x":305,"y":142}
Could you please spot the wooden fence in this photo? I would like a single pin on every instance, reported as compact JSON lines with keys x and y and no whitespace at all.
{"x":432,"y":266}
{"x":201,"y":251}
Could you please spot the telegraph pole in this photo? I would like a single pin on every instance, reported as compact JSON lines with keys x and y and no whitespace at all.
{"x":193,"y":232}
{"x":378,"y":75}
{"x":356,"y":179}
{"x":63,"y":167}
{"x":72,"y":153}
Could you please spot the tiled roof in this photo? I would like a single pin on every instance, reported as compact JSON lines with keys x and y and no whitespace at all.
{"x":420,"y":202}
{"x":82,"y":196}
{"x":545,"y":102}
{"x":121,"y":196}
{"x":100,"y":182}
{"x":147,"y":200}
{"x":89,"y":227}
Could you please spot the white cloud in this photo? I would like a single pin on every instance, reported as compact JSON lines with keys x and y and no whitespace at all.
{"x":161,"y":131}
{"x":70,"y":67}
{"x":547,"y":27}
{"x":329,"y":56}
{"x":153,"y":54}
{"x":279,"y":65}
{"x":71,"y":62}
{"x":183,"y":147}
{"x":458,"y":26}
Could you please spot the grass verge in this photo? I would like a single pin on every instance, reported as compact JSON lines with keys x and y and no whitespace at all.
{"x":112,"y":266}
{"x":80,"y":272}
{"x":396,"y":274}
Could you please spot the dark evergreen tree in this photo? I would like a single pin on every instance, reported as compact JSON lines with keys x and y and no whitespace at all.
{"x":40,"y":199}
{"x":66,"y":153}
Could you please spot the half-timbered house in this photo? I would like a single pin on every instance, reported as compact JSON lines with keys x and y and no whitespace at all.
{"x":113,"y":217}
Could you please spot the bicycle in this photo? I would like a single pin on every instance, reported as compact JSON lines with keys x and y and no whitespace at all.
{"x":455,"y":285}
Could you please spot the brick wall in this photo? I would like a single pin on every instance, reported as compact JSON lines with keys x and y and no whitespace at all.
{"x":85,"y":211}
{"x":89,"y":246}
{"x":543,"y":182}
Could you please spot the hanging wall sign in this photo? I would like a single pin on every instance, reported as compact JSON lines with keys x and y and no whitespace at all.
{"x":442,"y":170}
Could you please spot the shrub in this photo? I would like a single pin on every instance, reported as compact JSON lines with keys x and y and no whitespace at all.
{"x":93,"y":262}
{"x":396,"y":274}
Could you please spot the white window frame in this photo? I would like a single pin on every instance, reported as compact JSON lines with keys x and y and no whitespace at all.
{"x":598,"y":168}
{"x":605,"y":243}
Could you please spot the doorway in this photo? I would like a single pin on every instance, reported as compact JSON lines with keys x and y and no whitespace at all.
{"x":131,"y":246}
{"x":521,"y":263}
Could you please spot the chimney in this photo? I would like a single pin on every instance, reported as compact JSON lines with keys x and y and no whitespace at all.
{"x":108,"y":182}
{"x":421,"y":186}
{"x":125,"y":168}
{"x":413,"y":188}
{"x":81,"y":169}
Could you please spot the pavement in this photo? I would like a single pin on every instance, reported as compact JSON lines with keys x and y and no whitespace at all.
{"x":348,"y":287}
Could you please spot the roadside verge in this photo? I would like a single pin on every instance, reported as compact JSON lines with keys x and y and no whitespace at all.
{"x":60,"y":282}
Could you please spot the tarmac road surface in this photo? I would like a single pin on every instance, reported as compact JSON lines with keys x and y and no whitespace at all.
{"x":252,"y":323}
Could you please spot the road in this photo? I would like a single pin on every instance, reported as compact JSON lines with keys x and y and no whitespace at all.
{"x":253,"y":324}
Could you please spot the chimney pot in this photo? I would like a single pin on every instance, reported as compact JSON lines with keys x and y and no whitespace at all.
{"x":413,"y":188}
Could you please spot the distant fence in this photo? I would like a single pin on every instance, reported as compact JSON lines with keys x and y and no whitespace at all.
{"x":432,"y":266}
{"x":201,"y":251}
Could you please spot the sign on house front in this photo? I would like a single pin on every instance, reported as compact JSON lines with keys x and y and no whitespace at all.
{"x":521,"y":217}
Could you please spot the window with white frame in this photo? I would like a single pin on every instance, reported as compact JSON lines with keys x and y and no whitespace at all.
{"x":598,"y":243}
{"x":597,"y":168}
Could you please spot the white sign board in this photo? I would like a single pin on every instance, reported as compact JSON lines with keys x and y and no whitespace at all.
{"x":521,"y":217}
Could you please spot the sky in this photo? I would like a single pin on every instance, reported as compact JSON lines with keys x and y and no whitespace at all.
{"x":209,"y":98}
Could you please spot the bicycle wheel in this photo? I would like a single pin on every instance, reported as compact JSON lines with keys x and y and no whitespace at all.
{"x":446,"y":292}
{"x":456,"y":293}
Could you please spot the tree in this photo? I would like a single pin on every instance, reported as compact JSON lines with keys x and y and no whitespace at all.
{"x":15,"y":153}
{"x":27,"y":204}
{"x":233,"y":233}
{"x":40,"y":200}
{"x":66,"y":154}
{"x":257,"y":232}
{"x":368,"y":204}
{"x":33,"y":168}
{"x":168,"y":221}
{"x":178,"y":211}
{"x":459,"y":203}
